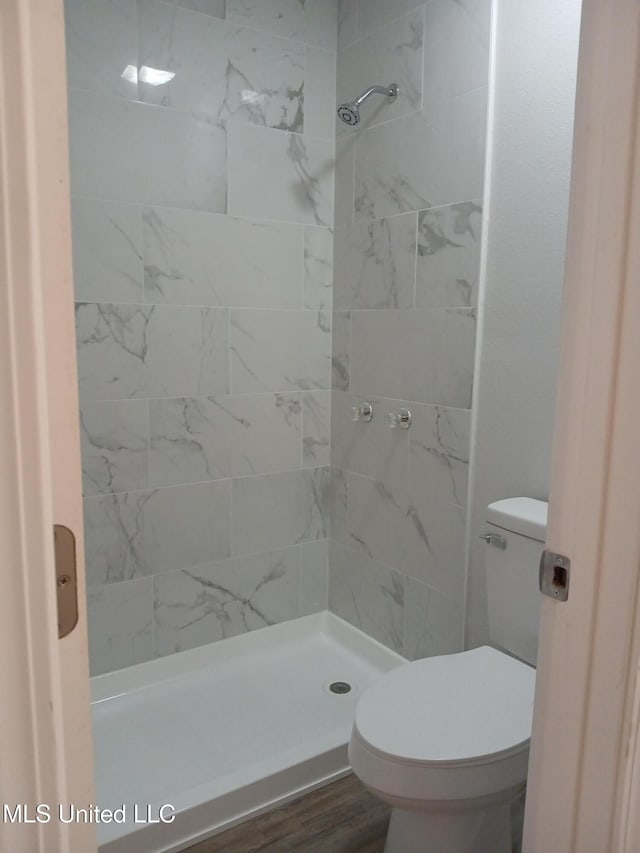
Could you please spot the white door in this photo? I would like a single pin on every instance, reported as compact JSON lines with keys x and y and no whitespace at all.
{"x":45,"y":730}
{"x":584,"y":725}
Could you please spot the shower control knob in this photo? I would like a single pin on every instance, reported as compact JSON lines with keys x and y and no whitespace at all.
{"x":401,"y":418}
{"x":363,"y":412}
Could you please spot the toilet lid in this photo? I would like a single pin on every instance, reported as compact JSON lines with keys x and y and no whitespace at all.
{"x":449,"y":708}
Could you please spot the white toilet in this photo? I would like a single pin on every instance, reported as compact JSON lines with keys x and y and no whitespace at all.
{"x":445,"y":740}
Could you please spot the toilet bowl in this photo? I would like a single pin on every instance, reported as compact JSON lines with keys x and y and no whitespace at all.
{"x":445,"y":740}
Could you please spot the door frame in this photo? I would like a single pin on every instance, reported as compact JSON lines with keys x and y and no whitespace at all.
{"x":581,"y":774}
{"x":585,"y":755}
{"x":45,"y":736}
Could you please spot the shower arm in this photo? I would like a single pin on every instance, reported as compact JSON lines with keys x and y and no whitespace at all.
{"x":390,"y":92}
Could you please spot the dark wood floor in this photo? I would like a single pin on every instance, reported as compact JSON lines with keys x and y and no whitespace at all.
{"x":340,"y":818}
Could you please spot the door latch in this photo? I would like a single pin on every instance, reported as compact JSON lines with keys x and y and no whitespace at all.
{"x":66,"y":579}
{"x":554,"y":575}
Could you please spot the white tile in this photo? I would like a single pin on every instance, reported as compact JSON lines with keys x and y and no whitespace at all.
{"x":347,"y":22}
{"x":278,"y":510}
{"x":314,"y":577}
{"x":307,"y":20}
{"x":134,"y":152}
{"x":208,"y":603}
{"x":399,"y":167}
{"x":375,"y":263}
{"x":282,"y":176}
{"x":206,"y":259}
{"x":107,"y":251}
{"x":316,"y":422}
{"x":392,"y":54}
{"x":448,"y":265}
{"x":114,"y":437}
{"x":101,"y":41}
{"x":320,"y":92}
{"x":266,"y":587}
{"x":119,"y":619}
{"x":221,"y":70}
{"x":338,"y":509}
{"x":439,"y":451}
{"x":207,"y":7}
{"x":345,"y":178}
{"x":465,"y":146}
{"x":199,"y":439}
{"x":318,"y":267}
{"x":411,"y":532}
{"x":423,"y":356}
{"x":279,"y":351}
{"x":142,"y":533}
{"x":422,"y":160}
{"x":456,"y":51}
{"x":370,"y":448}
{"x":341,"y":350}
{"x":151,"y":351}
{"x":432,"y":623}
{"x":376,"y":13}
{"x":367,"y":594}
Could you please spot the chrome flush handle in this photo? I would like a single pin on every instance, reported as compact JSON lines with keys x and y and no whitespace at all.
{"x":495,"y":540}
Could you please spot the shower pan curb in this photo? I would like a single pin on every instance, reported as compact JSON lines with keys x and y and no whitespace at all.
{"x":291,"y":667}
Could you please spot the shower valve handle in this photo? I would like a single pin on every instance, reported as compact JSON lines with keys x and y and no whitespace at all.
{"x":363,"y":412}
{"x":401,"y":418}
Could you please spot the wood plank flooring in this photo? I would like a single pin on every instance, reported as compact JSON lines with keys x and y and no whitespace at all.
{"x":342,"y":817}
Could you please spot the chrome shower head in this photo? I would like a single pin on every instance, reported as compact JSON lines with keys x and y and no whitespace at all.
{"x":349,"y":112}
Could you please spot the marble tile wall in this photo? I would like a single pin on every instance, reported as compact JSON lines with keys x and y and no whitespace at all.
{"x":202,"y":141}
{"x":245,"y":274}
{"x":408,"y":212}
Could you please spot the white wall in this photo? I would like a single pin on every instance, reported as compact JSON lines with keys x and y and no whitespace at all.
{"x":529,"y":159}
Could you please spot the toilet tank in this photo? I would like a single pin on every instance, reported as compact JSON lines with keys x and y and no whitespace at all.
{"x":512,"y":574}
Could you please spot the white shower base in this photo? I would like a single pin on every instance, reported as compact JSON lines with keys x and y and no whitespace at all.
{"x":225,"y":731}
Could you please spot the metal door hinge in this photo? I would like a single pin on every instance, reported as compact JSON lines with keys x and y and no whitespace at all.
{"x":554,"y":575}
{"x":66,"y":579}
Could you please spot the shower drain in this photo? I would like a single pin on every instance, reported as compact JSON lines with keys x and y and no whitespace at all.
{"x":340,"y":687}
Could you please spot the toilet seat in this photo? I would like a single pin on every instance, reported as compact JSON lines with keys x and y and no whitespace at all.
{"x":448,"y":727}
